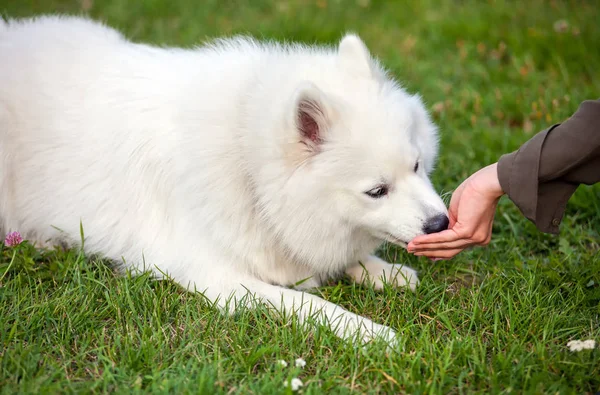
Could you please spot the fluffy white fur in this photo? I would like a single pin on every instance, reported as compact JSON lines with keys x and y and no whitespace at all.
{"x":238,"y":166}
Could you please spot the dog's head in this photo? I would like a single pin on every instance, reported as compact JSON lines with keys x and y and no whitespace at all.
{"x":357,"y":154}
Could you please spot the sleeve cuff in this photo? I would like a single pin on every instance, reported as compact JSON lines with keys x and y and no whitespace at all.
{"x":518,"y":175}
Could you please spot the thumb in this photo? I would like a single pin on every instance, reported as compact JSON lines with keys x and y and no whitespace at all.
{"x":453,"y":220}
{"x":454,"y":203}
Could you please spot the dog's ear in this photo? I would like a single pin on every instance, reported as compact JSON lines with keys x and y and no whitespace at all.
{"x":312,"y":114}
{"x":425,"y":132}
{"x":354,"y":55}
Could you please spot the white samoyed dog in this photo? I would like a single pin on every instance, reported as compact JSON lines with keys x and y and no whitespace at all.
{"x":236,"y":167}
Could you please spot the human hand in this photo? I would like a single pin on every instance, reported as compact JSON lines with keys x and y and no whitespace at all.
{"x":471,"y":214}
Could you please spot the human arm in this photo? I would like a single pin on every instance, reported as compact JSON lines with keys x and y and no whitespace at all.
{"x":539,"y":178}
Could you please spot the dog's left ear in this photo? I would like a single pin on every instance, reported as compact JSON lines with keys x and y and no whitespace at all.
{"x":354,"y":55}
{"x":312,"y":114}
{"x":425,"y":132}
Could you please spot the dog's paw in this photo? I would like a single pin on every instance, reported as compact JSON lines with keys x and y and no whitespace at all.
{"x":364,"y":331}
{"x":381,"y":333}
{"x":377,"y":272}
{"x":396,"y":275}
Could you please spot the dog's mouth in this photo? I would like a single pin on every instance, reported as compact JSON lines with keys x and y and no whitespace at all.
{"x":390,"y":238}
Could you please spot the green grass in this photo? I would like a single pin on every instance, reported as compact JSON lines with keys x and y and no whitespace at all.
{"x":491,"y":320}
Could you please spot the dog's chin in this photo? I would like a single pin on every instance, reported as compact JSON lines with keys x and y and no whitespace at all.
{"x":398,"y":242}
{"x":393,"y":240}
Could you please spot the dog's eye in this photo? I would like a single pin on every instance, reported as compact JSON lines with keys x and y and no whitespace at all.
{"x":378,"y":192}
{"x":416,"y":166}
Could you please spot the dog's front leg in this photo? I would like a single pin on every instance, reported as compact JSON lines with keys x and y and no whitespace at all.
{"x":311,"y":308}
{"x":232,"y":289}
{"x":375,"y":271}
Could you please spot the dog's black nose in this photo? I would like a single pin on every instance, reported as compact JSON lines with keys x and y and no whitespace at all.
{"x":436,"y":224}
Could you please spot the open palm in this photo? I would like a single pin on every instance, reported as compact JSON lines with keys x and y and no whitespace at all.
{"x":471,"y":213}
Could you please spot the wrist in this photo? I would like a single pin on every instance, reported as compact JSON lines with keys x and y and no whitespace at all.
{"x":494,"y":186}
{"x":486,"y":182}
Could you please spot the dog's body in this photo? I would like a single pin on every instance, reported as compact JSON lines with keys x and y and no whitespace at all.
{"x":234,"y":167}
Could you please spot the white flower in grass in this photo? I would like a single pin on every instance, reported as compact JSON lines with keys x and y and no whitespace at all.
{"x":295,"y":383}
{"x":578,"y":345}
{"x":282,"y":363}
{"x":589,"y":344}
{"x":300,"y":363}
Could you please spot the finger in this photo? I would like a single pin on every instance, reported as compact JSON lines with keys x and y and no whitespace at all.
{"x":450,"y":245}
{"x":440,"y":254}
{"x":444,"y":236}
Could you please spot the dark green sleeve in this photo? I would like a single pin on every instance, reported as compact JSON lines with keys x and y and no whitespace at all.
{"x":543,"y":174}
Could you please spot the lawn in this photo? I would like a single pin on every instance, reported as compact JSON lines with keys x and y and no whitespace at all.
{"x":494,"y":319}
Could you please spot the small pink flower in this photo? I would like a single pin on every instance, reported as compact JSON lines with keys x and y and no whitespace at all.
{"x":13,"y":239}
